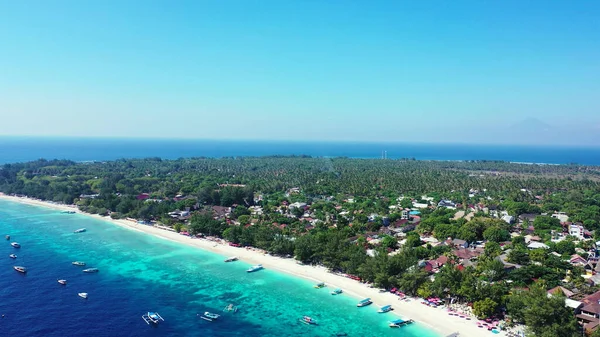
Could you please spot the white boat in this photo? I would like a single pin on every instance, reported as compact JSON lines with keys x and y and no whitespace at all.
{"x":231,"y":259}
{"x":364,"y":303}
{"x":152,"y":317}
{"x":63,"y":282}
{"x":337,"y":291}
{"x":255,"y":268}
{"x":385,"y":308}
{"x":20,"y":269}
{"x":209,"y":316}
{"x":13,"y":256}
{"x":91,"y":270}
{"x":15,"y":244}
{"x":78,"y":263}
{"x":80,"y":230}
{"x":83,"y":295}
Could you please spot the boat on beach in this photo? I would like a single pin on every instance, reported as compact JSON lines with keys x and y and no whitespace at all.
{"x":91,"y":270}
{"x":152,"y":318}
{"x":230,"y":308}
{"x":397,"y":323}
{"x":12,"y":256}
{"x":80,"y":230}
{"x":364,"y":303}
{"x":78,"y":263}
{"x":319,"y":285}
{"x":255,"y":268}
{"x":15,"y":244}
{"x":231,"y":259}
{"x":63,"y":282}
{"x":307,"y":320}
{"x":337,"y":291}
{"x":385,"y":308}
{"x":209,"y":316}
{"x":20,"y":269}
{"x":83,"y":295}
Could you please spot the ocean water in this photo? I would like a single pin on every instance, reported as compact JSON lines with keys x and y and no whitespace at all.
{"x":18,"y":149}
{"x":140,"y":273}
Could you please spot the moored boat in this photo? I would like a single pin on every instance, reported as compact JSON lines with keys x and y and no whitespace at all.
{"x":337,"y":291}
{"x":385,"y":308}
{"x":230,"y":308}
{"x":80,"y":230}
{"x":15,"y":244}
{"x":397,"y":323}
{"x":364,"y":303}
{"x":91,"y":270}
{"x":63,"y":282}
{"x":152,"y":318}
{"x":255,"y":268}
{"x":83,"y":295}
{"x":231,"y":259}
{"x":78,"y":263}
{"x":320,"y":285}
{"x":209,"y":316}
{"x":308,"y":320}
{"x":20,"y":269}
{"x":7,"y":237}
{"x":12,"y":256}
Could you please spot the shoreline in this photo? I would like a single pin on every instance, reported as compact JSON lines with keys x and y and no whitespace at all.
{"x":435,"y":319}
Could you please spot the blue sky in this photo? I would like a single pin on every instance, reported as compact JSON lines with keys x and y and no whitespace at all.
{"x":460,"y":71}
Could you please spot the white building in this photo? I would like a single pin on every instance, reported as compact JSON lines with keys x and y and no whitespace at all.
{"x":561,"y":216}
{"x":576,"y":231}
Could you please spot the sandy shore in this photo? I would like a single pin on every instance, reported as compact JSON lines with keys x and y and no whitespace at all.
{"x":436,"y":319}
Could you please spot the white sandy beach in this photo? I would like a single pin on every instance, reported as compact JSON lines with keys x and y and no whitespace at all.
{"x":435,"y":318}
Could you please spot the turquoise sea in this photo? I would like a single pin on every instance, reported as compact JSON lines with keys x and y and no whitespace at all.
{"x":140,"y":273}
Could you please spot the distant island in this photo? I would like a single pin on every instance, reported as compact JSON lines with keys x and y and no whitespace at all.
{"x":507,"y":242}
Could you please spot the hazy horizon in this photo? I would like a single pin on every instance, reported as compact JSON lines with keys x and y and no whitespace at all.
{"x":461,"y":72}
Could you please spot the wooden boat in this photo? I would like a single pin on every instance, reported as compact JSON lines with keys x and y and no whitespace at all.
{"x":397,"y":323}
{"x":209,"y":316}
{"x":231,"y":259}
{"x":337,"y":291}
{"x":7,"y":237}
{"x":20,"y":269}
{"x":152,"y":318}
{"x":319,"y":285}
{"x":385,"y":308}
{"x":307,"y":320}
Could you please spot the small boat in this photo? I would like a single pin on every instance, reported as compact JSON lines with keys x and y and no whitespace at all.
{"x":83,"y":295}
{"x":385,"y":308}
{"x":230,"y":308}
{"x":397,"y":323}
{"x":80,"y":230}
{"x":307,"y":320}
{"x":63,"y":282}
{"x":78,"y":263}
{"x":68,"y":212}
{"x":209,"y":316}
{"x":91,"y":270}
{"x":13,"y":256}
{"x":231,"y":259}
{"x":20,"y":269}
{"x":364,"y":303}
{"x":255,"y":268}
{"x":15,"y":244}
{"x":337,"y":291}
{"x":319,"y":285}
{"x":7,"y":237}
{"x":152,"y":317}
